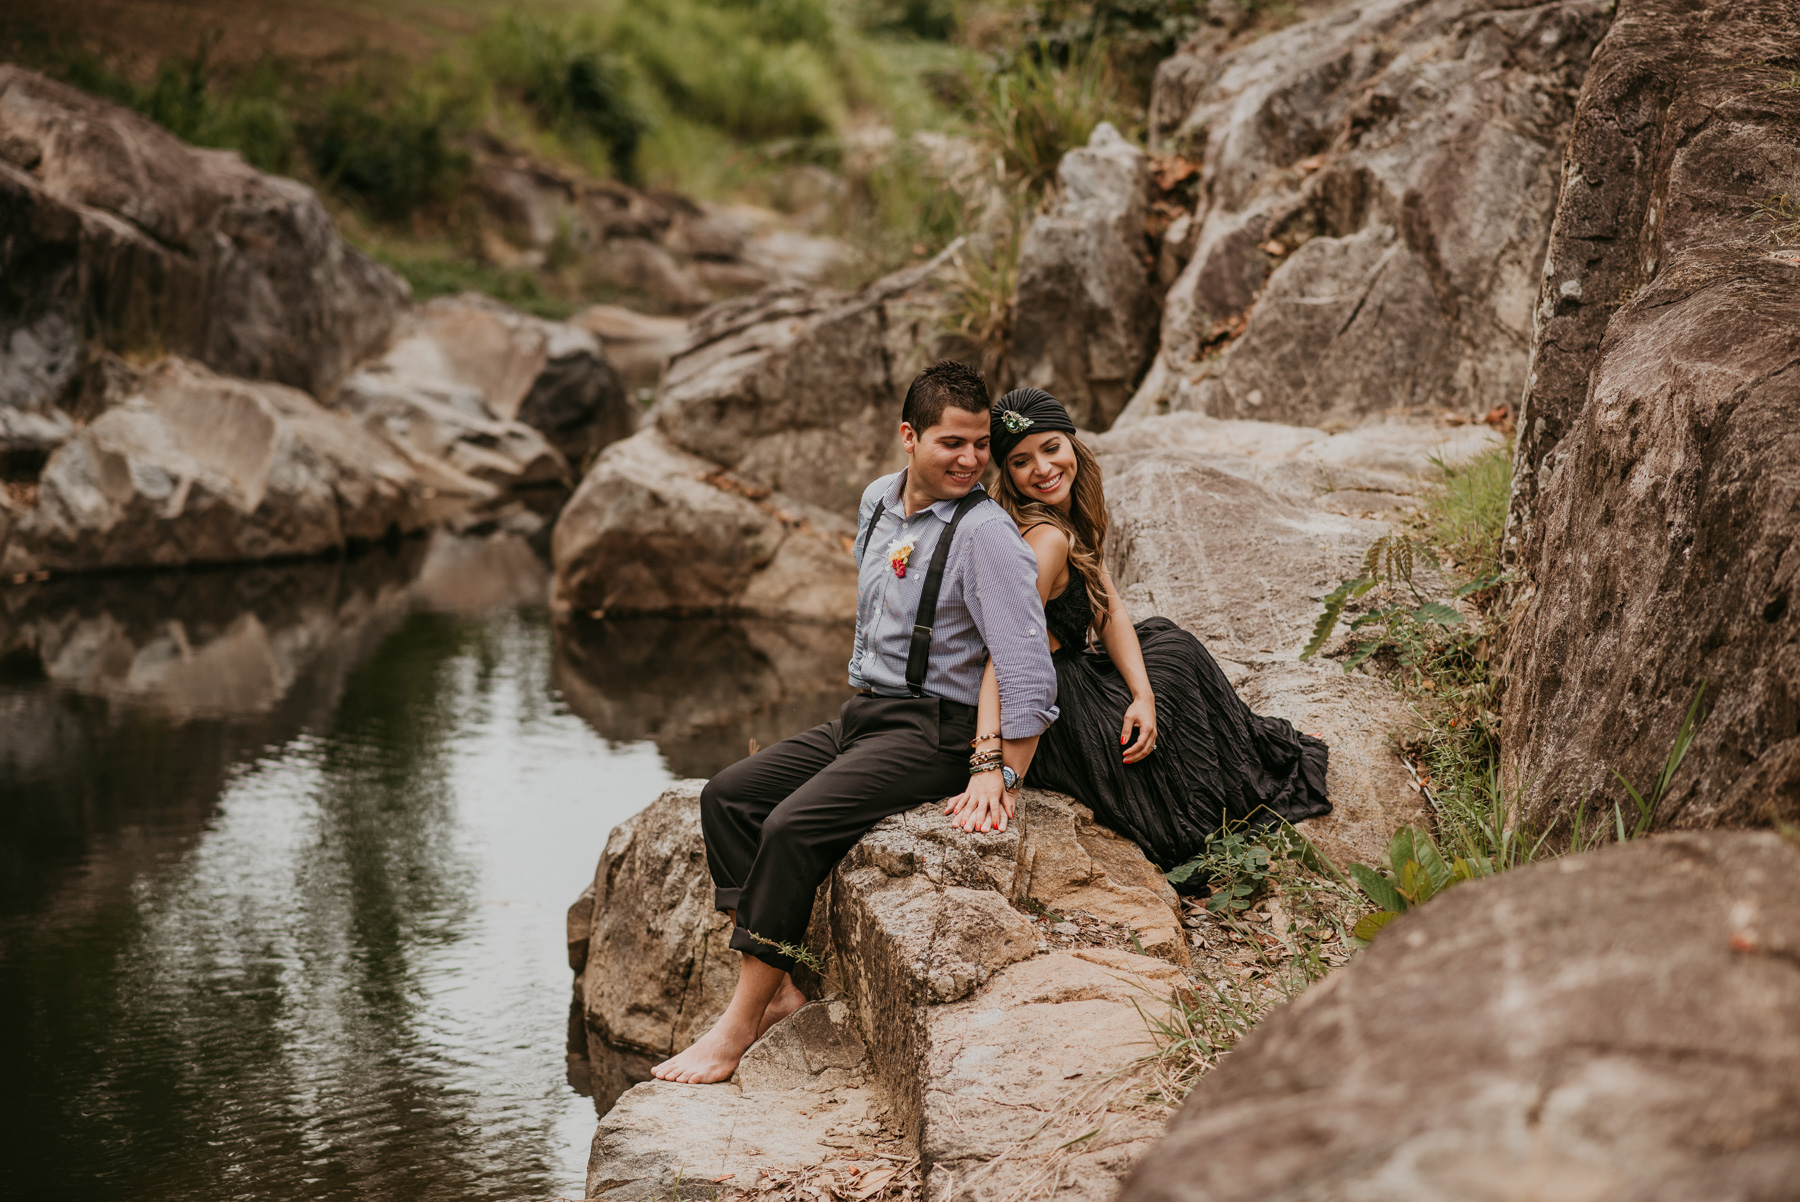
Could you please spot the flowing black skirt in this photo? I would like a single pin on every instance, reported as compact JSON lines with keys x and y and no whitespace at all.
{"x":1215,"y":762}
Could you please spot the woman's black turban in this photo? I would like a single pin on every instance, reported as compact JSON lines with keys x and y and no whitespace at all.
{"x":1020,"y":414}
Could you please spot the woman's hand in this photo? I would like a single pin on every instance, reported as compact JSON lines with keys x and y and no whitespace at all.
{"x":983,"y":806}
{"x":1140,"y":716}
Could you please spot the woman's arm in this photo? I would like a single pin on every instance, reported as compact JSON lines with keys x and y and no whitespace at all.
{"x":1121,"y":642}
{"x":985,"y":804}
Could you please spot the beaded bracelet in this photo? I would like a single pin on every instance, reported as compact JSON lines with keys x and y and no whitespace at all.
{"x":983,"y":738}
{"x":978,"y":769}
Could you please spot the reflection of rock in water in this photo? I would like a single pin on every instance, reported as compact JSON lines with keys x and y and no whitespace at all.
{"x":702,"y":688}
{"x":126,"y":701}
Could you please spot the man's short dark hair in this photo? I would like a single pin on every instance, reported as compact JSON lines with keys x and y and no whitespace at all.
{"x":945,"y":382}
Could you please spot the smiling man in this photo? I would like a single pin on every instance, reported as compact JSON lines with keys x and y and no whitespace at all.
{"x":944,"y":582}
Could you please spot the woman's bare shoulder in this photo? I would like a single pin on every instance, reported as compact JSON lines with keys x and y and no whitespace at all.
{"x":1045,"y":537}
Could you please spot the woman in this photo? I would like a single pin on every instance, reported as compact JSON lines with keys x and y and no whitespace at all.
{"x":1190,"y":757}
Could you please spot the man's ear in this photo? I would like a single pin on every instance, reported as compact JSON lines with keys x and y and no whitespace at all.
{"x":909,"y":438}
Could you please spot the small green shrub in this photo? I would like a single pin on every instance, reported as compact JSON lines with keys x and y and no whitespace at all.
{"x":1239,"y":859}
{"x":732,"y":66}
{"x":1415,"y":872}
{"x":572,"y":84}
{"x":1034,"y":112}
{"x":391,"y":146}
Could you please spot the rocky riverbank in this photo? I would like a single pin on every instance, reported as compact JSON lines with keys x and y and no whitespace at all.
{"x":1413,"y":225}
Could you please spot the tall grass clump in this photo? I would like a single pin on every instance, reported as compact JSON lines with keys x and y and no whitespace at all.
{"x":1034,"y":112}
{"x":1466,"y":516}
{"x":189,"y":97}
{"x":573,"y":83}
{"x":755,"y":71}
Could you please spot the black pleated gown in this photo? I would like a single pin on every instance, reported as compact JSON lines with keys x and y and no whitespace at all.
{"x":1215,"y":762}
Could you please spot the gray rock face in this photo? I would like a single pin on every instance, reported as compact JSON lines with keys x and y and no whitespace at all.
{"x":1654,"y":480}
{"x":1084,"y":324}
{"x":658,"y":969}
{"x":510,"y":366}
{"x":801,"y":391}
{"x":770,"y":422}
{"x":1234,"y":530}
{"x":655,"y":530}
{"x":666,"y":252}
{"x":475,"y":390}
{"x":120,"y":232}
{"x":1376,"y":196}
{"x":199,"y":468}
{"x":1619,"y":1025}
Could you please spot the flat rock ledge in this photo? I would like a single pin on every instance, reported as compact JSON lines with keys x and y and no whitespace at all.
{"x":958,"y":1028}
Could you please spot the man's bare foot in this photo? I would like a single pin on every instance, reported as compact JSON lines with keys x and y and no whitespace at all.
{"x":787,"y":999}
{"x":714,"y":1057}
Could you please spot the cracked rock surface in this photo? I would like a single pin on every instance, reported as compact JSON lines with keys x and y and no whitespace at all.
{"x":1535,"y":1034}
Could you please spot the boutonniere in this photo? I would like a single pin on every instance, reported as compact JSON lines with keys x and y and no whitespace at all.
{"x":898,"y":552}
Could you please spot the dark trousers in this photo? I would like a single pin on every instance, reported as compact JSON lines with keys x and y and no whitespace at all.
{"x":777,"y":822}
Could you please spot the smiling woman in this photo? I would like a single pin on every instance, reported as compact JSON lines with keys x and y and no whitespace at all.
{"x":1190,"y":758}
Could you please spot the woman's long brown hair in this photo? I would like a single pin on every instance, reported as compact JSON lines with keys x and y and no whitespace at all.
{"x":1084,"y":524}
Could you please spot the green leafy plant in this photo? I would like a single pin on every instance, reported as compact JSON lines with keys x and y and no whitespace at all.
{"x":1239,"y":859}
{"x":805,"y":957}
{"x":1415,"y":872}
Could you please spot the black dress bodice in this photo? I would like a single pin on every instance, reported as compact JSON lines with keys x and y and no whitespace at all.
{"x":1070,"y":613}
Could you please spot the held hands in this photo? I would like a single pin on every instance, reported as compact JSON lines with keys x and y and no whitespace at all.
{"x":1140,"y":716}
{"x":983,"y":806}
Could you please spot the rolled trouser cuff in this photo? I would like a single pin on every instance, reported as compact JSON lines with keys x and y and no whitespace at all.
{"x":725,"y":899}
{"x":742,"y":940}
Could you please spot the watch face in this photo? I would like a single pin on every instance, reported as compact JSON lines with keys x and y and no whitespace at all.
{"x":1009,"y":777}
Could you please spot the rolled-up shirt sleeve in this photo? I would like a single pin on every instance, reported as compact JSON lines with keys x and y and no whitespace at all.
{"x":1000,"y":589}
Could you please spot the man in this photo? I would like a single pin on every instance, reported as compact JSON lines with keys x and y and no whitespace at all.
{"x":777,"y":822}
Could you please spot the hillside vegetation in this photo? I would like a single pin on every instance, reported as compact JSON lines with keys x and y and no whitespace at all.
{"x":382,"y":105}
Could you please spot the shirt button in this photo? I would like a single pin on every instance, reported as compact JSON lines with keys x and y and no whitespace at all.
{"x":1031,"y":632}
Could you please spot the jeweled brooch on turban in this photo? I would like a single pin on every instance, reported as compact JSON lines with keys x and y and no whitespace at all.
{"x":1015,"y":421}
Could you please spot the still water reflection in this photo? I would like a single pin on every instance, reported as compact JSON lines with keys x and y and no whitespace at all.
{"x":284,"y":854}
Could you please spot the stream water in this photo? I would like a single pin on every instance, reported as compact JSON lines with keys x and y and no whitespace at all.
{"x":284,"y":856}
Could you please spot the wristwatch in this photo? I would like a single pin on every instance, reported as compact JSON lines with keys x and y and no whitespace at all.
{"x":1009,"y":778}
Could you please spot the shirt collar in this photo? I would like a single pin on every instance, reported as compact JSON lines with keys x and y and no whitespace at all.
{"x":942,"y":510}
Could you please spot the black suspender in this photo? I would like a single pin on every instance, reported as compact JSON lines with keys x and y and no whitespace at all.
{"x":918,"y":655}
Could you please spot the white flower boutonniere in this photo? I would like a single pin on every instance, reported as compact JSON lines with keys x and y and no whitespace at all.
{"x":899,"y":551}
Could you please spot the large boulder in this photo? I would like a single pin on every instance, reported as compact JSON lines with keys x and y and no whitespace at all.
{"x":655,"y":530}
{"x":1619,"y":1025}
{"x":198,"y":468}
{"x":659,"y":250}
{"x":929,"y":934}
{"x":118,"y":232}
{"x":1084,"y":313}
{"x":500,"y":364}
{"x":1375,"y":199}
{"x":1235,"y":530}
{"x":800,"y":390}
{"x":1655,"y":480}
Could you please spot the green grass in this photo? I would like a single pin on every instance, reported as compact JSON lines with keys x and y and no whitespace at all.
{"x":1466,"y":514}
{"x":442,"y":271}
